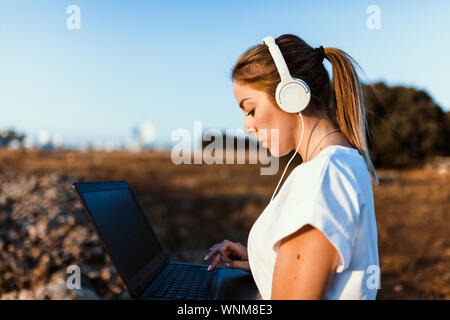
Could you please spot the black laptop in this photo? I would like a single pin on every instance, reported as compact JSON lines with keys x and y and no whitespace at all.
{"x":140,"y":259}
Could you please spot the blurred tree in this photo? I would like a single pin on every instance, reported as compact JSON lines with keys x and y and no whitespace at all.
{"x":406,"y":126}
{"x":7,"y":136}
{"x":235,"y":141}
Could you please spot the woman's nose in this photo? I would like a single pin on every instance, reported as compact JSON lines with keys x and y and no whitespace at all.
{"x":249,"y":128}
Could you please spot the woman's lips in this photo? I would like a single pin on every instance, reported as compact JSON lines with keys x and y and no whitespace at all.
{"x":261,"y":141}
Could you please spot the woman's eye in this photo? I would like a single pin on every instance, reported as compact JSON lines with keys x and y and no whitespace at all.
{"x":251,"y":113}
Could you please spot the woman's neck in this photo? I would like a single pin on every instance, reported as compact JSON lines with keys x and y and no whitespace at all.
{"x":317,"y":136}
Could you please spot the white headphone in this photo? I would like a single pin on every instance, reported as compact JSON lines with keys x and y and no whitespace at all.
{"x":292,"y":94}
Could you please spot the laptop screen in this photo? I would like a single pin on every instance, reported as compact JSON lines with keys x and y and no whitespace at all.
{"x":124,"y":229}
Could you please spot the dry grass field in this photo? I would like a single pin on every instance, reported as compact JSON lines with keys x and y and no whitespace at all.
{"x":194,"y":206}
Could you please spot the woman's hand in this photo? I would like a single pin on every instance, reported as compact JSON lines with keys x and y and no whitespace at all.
{"x":234,"y":255}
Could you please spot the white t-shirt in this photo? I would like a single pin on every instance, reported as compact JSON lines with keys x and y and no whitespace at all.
{"x":333,"y":193}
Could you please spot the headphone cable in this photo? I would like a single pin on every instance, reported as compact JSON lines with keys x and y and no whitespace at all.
{"x":303,"y":131}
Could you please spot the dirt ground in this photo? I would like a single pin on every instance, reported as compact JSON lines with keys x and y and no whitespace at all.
{"x":195,"y":206}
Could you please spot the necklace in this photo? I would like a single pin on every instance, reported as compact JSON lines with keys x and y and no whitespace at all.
{"x":322,"y":140}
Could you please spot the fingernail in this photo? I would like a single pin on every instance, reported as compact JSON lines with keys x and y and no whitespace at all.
{"x":206,"y":257}
{"x":227,"y":264}
{"x":209,"y":268}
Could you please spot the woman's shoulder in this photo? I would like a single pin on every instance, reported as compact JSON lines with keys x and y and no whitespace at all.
{"x":346,"y":159}
{"x":334,"y":155}
{"x":332,"y":164}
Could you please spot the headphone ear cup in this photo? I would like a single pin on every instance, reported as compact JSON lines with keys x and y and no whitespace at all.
{"x":293,"y":96}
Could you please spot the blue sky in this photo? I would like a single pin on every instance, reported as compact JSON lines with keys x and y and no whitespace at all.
{"x":168,"y":62}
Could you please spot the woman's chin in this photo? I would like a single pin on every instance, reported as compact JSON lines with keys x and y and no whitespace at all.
{"x":274,"y":152}
{"x":278,"y":153}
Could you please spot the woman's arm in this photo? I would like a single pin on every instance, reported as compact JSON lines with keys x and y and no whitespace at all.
{"x":305,"y":264}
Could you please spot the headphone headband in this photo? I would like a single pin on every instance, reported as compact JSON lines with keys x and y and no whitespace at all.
{"x":278,"y":59}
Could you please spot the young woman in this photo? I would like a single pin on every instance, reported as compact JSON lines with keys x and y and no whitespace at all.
{"x":317,"y":239}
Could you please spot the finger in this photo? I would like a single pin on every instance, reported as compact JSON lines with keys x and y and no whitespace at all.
{"x":211,"y":253}
{"x":215,"y":262}
{"x":225,"y":248}
{"x":236,"y":264}
{"x":230,"y":252}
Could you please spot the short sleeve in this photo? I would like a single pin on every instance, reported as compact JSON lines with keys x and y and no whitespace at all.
{"x":331,"y":204}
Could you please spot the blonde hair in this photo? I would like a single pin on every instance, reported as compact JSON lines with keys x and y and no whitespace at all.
{"x":340,"y":100}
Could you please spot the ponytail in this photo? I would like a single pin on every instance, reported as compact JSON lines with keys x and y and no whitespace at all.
{"x":350,"y":113}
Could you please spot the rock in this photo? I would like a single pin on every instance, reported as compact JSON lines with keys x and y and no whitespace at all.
{"x":9,"y":296}
{"x":43,"y":230}
{"x":57,"y":288}
{"x":105,"y":274}
{"x":41,"y":292}
{"x":84,"y":294}
{"x":25,"y":295}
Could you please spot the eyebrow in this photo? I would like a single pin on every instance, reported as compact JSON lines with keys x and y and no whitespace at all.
{"x":242,"y":101}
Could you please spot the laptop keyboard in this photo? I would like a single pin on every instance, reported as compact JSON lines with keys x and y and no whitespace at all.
{"x":184,"y":282}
